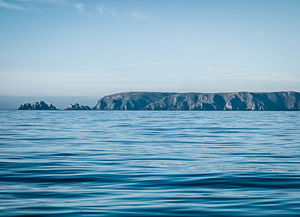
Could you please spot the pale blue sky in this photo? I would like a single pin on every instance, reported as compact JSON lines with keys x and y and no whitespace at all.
{"x":94,"y":47}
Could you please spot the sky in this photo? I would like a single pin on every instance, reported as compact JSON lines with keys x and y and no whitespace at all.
{"x":96,"y":47}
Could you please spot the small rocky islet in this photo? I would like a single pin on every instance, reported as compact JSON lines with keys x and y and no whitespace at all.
{"x":235,"y":101}
{"x":77,"y":106}
{"x":41,"y":105}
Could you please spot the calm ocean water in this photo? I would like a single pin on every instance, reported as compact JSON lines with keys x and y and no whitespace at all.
{"x":145,"y":163}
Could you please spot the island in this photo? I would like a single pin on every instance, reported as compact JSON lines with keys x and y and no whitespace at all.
{"x":41,"y":105}
{"x":233,"y":101}
{"x":237,"y":101}
{"x":76,"y":106}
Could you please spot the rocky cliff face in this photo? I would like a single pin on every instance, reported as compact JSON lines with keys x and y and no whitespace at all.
{"x":76,"y":106}
{"x":41,"y":105}
{"x":129,"y":100}
{"x":271,"y":101}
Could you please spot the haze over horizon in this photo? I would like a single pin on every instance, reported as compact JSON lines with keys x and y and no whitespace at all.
{"x":94,"y":48}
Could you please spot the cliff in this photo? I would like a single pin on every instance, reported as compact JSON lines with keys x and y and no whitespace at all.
{"x":130,"y":100}
{"x":266,"y":101}
{"x":41,"y":105}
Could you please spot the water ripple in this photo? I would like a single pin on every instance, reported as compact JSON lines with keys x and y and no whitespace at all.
{"x":113,"y":163}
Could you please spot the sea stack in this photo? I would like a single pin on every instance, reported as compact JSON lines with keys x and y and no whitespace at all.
{"x":41,"y":105}
{"x":76,"y":106}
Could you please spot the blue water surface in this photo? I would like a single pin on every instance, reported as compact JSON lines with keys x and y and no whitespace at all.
{"x":147,"y":163}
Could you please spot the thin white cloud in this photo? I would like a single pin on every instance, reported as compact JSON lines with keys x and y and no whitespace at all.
{"x":45,"y":1}
{"x":46,"y":5}
{"x":4,"y":4}
{"x":79,"y":7}
{"x":32,"y":5}
{"x":274,"y":77}
{"x":247,"y":75}
{"x":149,"y":63}
{"x":140,"y":16}
{"x":211,"y":68}
{"x":113,"y":12}
{"x":100,"y":9}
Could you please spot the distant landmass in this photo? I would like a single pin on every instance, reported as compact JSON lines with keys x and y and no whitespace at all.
{"x":41,"y":105}
{"x":60,"y":102}
{"x":76,"y":106}
{"x":237,"y":101}
{"x":200,"y":101}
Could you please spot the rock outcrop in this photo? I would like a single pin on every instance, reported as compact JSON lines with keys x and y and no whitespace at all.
{"x":76,"y":106}
{"x":266,"y":101}
{"x":130,"y":100}
{"x":41,"y":105}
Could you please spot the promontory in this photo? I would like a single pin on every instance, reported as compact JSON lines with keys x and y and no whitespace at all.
{"x":242,"y":101}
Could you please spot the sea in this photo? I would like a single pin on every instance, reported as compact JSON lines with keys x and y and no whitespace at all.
{"x":149,"y":163}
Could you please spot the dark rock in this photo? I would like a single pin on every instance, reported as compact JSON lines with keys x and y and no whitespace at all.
{"x":76,"y":106}
{"x":270,"y":101}
{"x":129,"y":101}
{"x":41,"y":105}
